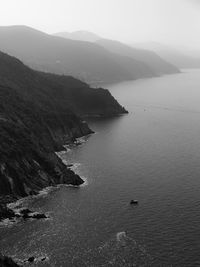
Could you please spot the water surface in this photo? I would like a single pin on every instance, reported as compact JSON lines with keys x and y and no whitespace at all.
{"x":153,"y":155}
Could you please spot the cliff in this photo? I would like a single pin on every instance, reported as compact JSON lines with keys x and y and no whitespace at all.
{"x":39,"y":113}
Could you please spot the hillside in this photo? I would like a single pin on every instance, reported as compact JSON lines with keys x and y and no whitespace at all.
{"x":38,"y":114}
{"x":79,"y":35}
{"x":87,"y":61}
{"x":150,"y":58}
{"x":155,"y":64}
{"x":181,"y":57}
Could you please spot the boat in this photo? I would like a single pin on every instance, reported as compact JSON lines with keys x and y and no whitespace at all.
{"x":134,"y":202}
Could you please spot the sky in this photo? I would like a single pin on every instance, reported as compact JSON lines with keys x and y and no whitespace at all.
{"x":175,"y":22}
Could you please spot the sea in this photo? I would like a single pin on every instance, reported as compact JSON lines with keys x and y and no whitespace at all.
{"x":152,"y":155}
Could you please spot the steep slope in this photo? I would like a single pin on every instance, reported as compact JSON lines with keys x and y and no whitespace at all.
{"x":151,"y":59}
{"x":79,"y":35}
{"x":179,"y":57}
{"x":37,"y":118}
{"x":87,"y":61}
{"x":82,"y":99}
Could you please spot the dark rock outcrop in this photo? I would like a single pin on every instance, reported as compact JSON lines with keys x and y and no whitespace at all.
{"x":5,"y":212}
{"x":28,"y":214}
{"x":31,"y":259}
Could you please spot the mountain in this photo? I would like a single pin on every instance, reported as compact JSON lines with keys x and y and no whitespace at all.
{"x":85,"y":60}
{"x":157,"y":66}
{"x":79,"y":35}
{"x":39,"y":113}
{"x":182,"y":57}
{"x":151,"y":59}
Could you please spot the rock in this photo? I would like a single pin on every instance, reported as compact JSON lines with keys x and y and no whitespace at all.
{"x":76,"y":181}
{"x":27,"y":214}
{"x":25,"y":211}
{"x":31,"y":259}
{"x":6,"y":212}
{"x":33,"y":193}
{"x":38,"y":216}
{"x":69,"y":165}
{"x":34,"y":259}
{"x":78,"y":143}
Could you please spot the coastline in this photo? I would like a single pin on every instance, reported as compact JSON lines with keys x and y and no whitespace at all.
{"x":13,"y":210}
{"x":108,"y":84}
{"x":10,"y":207}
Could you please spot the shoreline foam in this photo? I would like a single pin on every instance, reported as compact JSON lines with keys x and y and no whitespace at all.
{"x":22,"y":203}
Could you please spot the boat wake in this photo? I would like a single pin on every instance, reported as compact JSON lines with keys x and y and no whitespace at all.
{"x":121,"y":250}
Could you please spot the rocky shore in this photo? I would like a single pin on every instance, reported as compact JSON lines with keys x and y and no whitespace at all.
{"x":7,"y":213}
{"x":9,"y":262}
{"x":63,"y":174}
{"x":39,"y":114}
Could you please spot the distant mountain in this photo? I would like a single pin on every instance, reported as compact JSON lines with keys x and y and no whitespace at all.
{"x":135,"y":68}
{"x":79,"y":35}
{"x":84,"y":60}
{"x":39,"y":113}
{"x":157,"y":65}
{"x":87,"y":61}
{"x":151,"y":59}
{"x":182,"y":58}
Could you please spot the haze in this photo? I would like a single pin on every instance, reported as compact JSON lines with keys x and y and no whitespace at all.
{"x":174,"y":22}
